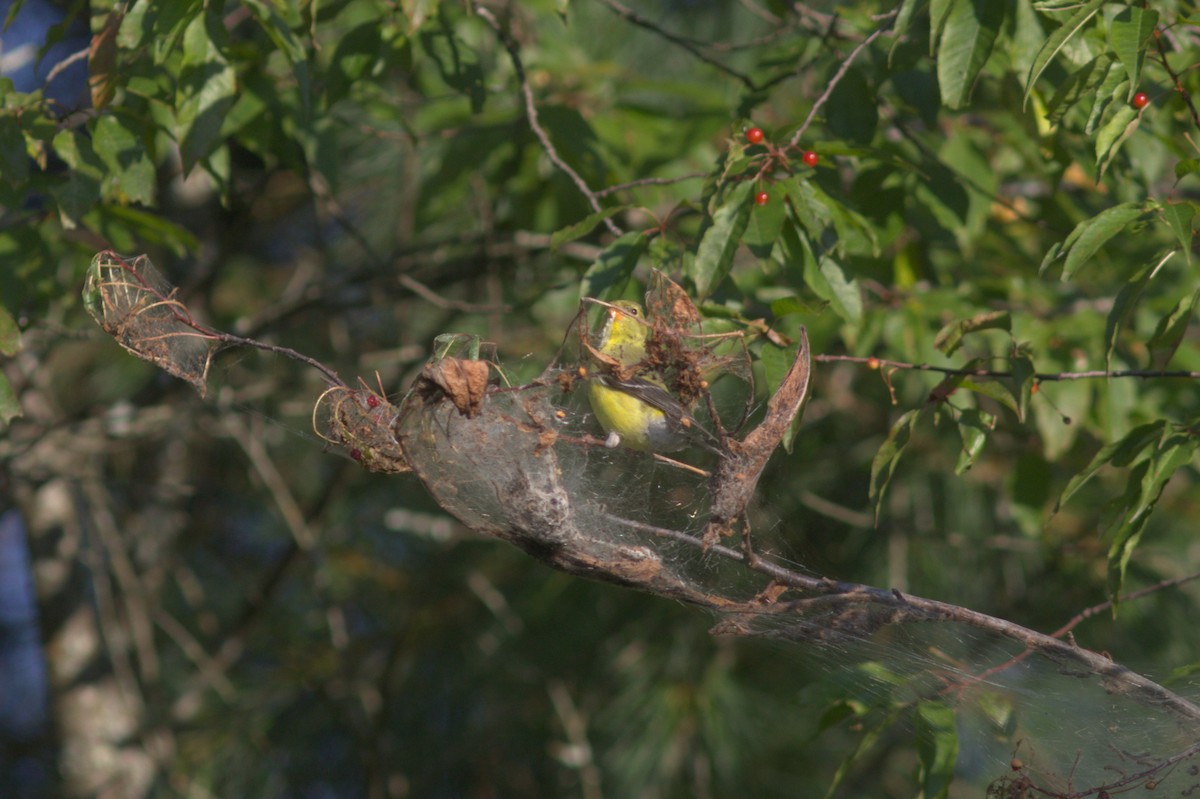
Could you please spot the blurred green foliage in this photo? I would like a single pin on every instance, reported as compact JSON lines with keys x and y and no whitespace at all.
{"x":354,"y":177}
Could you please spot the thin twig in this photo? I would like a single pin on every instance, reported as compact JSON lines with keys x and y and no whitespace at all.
{"x":1087,"y":613}
{"x":837,"y":78}
{"x":322,"y":192}
{"x":633,"y":184}
{"x":1092,"y":374}
{"x":632,"y":16}
{"x":834,"y":596}
{"x":532,"y":115}
{"x":1178,"y":84}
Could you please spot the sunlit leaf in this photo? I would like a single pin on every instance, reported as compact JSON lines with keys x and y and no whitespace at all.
{"x":766,"y":221}
{"x":207,"y":90}
{"x":1128,"y":35}
{"x":1091,"y":234}
{"x":1058,"y":39}
{"x":1082,"y":84}
{"x":966,"y":44}
{"x":828,"y":281}
{"x":1113,"y":133}
{"x":720,"y":240}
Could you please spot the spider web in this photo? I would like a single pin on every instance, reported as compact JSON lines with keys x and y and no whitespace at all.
{"x":1029,"y":715}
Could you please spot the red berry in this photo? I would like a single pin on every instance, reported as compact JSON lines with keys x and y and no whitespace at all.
{"x":754,"y":135}
{"x":372,"y":401}
{"x":762,"y":198}
{"x":810,"y":157}
{"x":1141,"y":100}
{"x":356,"y":455}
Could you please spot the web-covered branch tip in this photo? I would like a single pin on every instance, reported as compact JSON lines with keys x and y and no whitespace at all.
{"x":137,"y":306}
{"x":362,"y":421}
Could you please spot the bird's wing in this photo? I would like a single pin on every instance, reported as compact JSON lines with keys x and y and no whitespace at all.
{"x":656,"y":396}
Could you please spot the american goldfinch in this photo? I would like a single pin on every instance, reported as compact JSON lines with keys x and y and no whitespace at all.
{"x":638,"y":412}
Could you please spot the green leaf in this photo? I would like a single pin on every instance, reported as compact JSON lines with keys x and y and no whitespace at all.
{"x":1124,"y":304}
{"x":1058,"y":40}
{"x":993,"y":390}
{"x":1146,"y":484}
{"x":839,"y":711}
{"x":1170,"y":331}
{"x":1119,"y":453}
{"x":80,"y":191}
{"x":827,"y":280}
{"x":10,"y":334}
{"x":1080,"y":85}
{"x":776,"y":362}
{"x":583,"y":226}
{"x":1022,"y":380}
{"x":1179,"y":217}
{"x":158,"y":26}
{"x":1128,"y":35}
{"x":939,"y":12}
{"x":1111,"y":90}
{"x":908,"y":10}
{"x":207,"y":89}
{"x":883,"y":466}
{"x":950,"y":337}
{"x":10,"y":408}
{"x":1119,"y":127}
{"x":974,"y":426}
{"x":719,"y":241}
{"x":286,"y":42}
{"x":1185,"y":167}
{"x":1091,"y":234}
{"x":1025,"y":39}
{"x":966,"y":44}
{"x":131,"y":175}
{"x":607,"y":278}
{"x":766,"y":221}
{"x":150,"y":228}
{"x":936,"y":733}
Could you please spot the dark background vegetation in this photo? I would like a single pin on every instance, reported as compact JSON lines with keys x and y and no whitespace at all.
{"x":227,"y":609}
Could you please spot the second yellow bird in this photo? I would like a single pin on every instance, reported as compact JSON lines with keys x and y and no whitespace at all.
{"x":638,"y":412}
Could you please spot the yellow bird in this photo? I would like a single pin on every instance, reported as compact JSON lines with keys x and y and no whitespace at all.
{"x":639,"y":412}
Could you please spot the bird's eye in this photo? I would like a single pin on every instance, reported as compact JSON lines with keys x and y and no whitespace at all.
{"x":632,"y":311}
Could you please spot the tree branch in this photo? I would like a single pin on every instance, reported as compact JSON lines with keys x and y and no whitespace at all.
{"x":532,"y":115}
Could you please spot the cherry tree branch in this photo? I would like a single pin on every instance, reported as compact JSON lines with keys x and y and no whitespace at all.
{"x":837,"y":78}
{"x":531,"y":114}
{"x":878,"y":363}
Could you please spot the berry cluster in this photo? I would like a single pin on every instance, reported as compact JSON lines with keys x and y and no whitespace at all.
{"x":775,"y":156}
